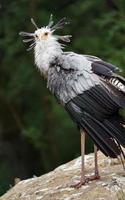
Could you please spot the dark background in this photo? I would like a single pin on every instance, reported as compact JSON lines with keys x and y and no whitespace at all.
{"x":36,"y":134}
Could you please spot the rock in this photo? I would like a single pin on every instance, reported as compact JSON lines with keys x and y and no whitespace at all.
{"x":56,"y":184}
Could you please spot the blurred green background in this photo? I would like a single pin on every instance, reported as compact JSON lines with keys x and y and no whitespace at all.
{"x":36,"y":134}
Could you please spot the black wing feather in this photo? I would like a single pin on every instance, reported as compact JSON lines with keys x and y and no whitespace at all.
{"x":94,"y":111}
{"x":108,"y":72}
{"x":101,"y":68}
{"x":91,"y":101}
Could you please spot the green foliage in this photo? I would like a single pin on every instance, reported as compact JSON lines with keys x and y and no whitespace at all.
{"x":28,"y":110}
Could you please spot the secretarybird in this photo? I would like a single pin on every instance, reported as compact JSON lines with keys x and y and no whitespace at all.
{"x":87,"y":87}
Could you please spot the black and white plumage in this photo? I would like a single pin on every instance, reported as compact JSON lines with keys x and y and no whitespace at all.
{"x":90,"y":89}
{"x":85,"y":89}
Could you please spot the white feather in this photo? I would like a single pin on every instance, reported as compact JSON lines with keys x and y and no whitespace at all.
{"x":45,"y":52}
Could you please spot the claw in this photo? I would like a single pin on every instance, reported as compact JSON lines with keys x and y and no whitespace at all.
{"x":95,"y":177}
{"x":80,"y":183}
{"x":85,"y":180}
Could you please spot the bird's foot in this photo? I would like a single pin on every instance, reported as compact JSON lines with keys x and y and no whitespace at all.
{"x":94,"y":177}
{"x":80,"y":183}
{"x":85,"y":180}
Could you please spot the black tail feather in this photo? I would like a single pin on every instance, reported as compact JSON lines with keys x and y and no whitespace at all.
{"x":107,"y":135}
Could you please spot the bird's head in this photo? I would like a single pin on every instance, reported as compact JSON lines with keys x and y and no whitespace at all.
{"x":42,"y":34}
{"x":45,"y":34}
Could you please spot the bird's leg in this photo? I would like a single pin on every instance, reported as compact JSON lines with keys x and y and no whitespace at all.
{"x":83,"y":179}
{"x":96,"y":175}
{"x":96,"y":162}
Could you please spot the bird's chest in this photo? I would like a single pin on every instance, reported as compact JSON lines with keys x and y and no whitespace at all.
{"x":59,"y":83}
{"x":44,"y":55}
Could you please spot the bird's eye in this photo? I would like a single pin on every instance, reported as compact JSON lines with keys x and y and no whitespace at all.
{"x":36,"y":36}
{"x":46,"y":33}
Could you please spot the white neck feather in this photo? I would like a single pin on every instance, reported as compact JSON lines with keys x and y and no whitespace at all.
{"x":45,"y":53}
